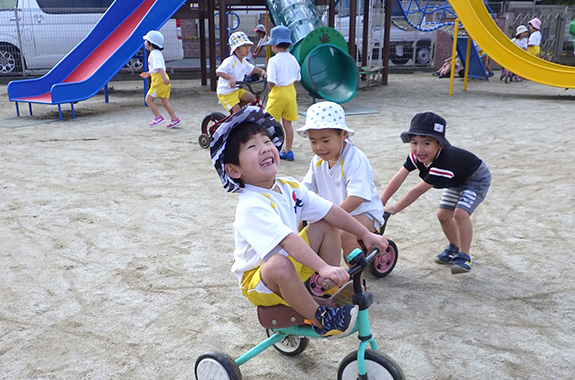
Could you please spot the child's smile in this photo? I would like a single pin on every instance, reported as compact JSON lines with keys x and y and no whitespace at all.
{"x":425,"y":148}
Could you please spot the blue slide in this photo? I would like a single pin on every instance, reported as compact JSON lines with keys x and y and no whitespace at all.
{"x":82,"y":73}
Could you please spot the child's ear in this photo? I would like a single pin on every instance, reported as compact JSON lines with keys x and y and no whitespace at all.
{"x":233,"y":171}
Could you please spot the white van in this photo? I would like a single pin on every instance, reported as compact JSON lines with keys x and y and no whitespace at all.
{"x":39,"y":33}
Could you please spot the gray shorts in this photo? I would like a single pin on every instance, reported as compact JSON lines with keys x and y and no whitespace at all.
{"x":469,"y":195}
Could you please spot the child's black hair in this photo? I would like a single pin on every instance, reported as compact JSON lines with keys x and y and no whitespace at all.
{"x":240,"y":135}
{"x":155,"y":46}
{"x":284,"y":45}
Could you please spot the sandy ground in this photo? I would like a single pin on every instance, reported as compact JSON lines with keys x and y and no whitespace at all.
{"x":116,"y":242}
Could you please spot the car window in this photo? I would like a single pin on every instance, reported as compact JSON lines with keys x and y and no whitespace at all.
{"x":8,"y":4}
{"x":74,"y":6}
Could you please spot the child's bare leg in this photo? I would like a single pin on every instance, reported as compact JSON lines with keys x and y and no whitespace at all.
{"x":166,"y":104}
{"x":235,"y":108}
{"x":448,"y":225}
{"x":464,"y":229}
{"x":289,"y":134}
{"x":349,"y":241}
{"x":152,"y":106}
{"x":280,"y":276}
{"x":324,"y":239}
{"x":246,"y":98}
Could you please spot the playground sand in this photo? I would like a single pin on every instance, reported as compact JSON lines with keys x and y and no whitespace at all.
{"x":116,"y":241}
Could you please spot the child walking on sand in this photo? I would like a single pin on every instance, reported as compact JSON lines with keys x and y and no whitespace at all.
{"x":464,"y":176}
{"x":161,"y":85}
{"x":339,"y":171}
{"x":234,"y":69}
{"x":283,"y":73}
{"x":272,"y":261}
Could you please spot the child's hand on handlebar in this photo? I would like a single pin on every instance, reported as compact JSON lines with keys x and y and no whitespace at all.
{"x":336,"y":275}
{"x":373,"y":240}
{"x":232,"y":82}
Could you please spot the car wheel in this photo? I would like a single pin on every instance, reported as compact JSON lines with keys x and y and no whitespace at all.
{"x":423,"y":55}
{"x":400,"y":54}
{"x":10,"y":60}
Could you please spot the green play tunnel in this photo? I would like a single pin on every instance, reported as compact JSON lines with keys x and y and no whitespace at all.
{"x":327,"y":70}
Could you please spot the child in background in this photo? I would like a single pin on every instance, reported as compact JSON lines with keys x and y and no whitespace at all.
{"x":463,"y":175}
{"x":161,"y":85}
{"x":533,"y":45}
{"x":234,"y":69}
{"x":283,"y":73}
{"x":340,"y":172}
{"x":272,"y":261}
{"x":520,"y":40}
{"x":260,"y":32}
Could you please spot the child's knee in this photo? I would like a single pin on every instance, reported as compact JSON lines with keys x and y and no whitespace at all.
{"x":444,"y":215}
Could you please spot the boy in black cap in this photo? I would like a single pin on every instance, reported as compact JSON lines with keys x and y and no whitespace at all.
{"x":272,"y":261}
{"x":463,"y":175}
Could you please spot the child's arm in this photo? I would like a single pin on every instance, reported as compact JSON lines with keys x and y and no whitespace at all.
{"x":409,"y":198}
{"x":351,"y":203}
{"x":145,"y":74}
{"x":165,"y":78}
{"x":341,"y":219}
{"x":302,"y":253}
{"x":227,"y":77}
{"x":259,"y":71}
{"x":394,"y":184}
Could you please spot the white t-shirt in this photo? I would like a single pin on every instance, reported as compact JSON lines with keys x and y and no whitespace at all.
{"x":521,"y":43}
{"x":535,"y":38}
{"x":352,"y":175}
{"x":265,"y":217}
{"x":238,"y":70}
{"x":156,"y":61}
{"x":283,"y":69}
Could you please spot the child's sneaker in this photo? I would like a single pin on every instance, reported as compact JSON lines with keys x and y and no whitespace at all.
{"x":287,"y":156}
{"x":446,"y":257}
{"x":336,"y":321}
{"x":174,"y":123}
{"x":461,"y":263}
{"x":157,"y":121}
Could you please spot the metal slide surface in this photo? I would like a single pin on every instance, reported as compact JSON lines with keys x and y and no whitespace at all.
{"x":84,"y":71}
{"x":482,"y":28}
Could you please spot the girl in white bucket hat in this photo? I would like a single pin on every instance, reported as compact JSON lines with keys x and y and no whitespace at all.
{"x":234,"y":69}
{"x":339,"y":171}
{"x":533,"y":45}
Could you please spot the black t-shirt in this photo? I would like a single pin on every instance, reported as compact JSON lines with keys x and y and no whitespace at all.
{"x":451,"y":168}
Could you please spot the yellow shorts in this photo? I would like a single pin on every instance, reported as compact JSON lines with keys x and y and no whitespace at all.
{"x":158,"y":89}
{"x":254,"y":289}
{"x":230,"y":100}
{"x":534,"y":50}
{"x":282,"y":103}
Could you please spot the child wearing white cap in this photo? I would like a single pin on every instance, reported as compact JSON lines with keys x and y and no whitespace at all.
{"x":161,"y":84}
{"x":339,"y":171}
{"x":234,"y":69}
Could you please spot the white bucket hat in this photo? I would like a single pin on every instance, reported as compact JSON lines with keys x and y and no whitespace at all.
{"x":521,"y":29}
{"x":324,"y":115}
{"x":238,"y":39}
{"x":155,"y":37}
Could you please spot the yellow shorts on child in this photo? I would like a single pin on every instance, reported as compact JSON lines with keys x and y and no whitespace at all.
{"x":534,"y":50}
{"x":158,"y":89}
{"x":254,"y":289}
{"x":230,"y":100}
{"x":282,"y":103}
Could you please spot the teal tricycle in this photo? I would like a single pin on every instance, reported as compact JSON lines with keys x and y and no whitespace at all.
{"x":289,"y":334}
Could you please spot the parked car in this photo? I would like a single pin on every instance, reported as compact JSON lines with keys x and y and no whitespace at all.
{"x":406,"y":46}
{"x":42,"y":32}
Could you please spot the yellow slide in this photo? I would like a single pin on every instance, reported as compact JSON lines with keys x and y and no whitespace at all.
{"x":482,"y":28}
